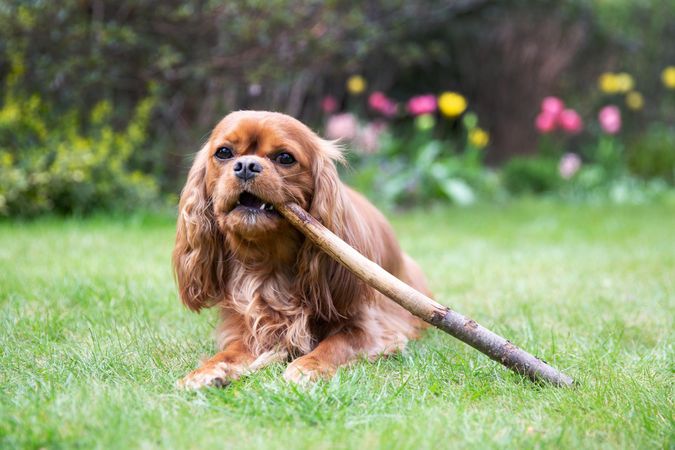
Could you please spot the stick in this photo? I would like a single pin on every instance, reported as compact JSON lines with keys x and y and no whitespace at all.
{"x":452,"y":322}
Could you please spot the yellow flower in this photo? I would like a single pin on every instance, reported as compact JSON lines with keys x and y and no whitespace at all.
{"x":608,"y":83}
{"x":668,"y":77}
{"x":624,"y":82}
{"x":478,"y":137}
{"x":356,"y":84}
{"x":451,"y":104}
{"x":634,"y":100}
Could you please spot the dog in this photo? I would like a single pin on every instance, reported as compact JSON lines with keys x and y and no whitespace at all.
{"x":279,"y":297}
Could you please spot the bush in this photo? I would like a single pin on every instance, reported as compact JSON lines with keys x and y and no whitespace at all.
{"x":418,"y":168}
{"x":531,"y":175}
{"x":67,"y":163}
{"x":652,"y":155}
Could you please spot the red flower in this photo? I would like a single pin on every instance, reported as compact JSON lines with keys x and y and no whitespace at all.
{"x":552,"y":105}
{"x":382,"y":104}
{"x":329,"y":104}
{"x":570,"y":121}
{"x":422,"y":104}
{"x":546,"y":122}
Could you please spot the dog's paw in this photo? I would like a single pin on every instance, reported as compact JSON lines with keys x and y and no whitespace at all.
{"x":308,"y":369}
{"x":210,"y":375}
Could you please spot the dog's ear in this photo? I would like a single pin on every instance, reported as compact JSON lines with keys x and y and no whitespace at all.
{"x":199,"y":258}
{"x":327,"y":285}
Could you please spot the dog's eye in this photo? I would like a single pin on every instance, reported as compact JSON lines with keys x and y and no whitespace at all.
{"x":223,"y":153}
{"x":284,"y":158}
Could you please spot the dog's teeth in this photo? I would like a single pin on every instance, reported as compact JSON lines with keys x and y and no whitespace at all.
{"x":238,"y":203}
{"x":263,"y":206}
{"x":270,"y":207}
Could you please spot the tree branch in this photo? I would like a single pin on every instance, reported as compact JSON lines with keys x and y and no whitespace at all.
{"x":452,"y":322}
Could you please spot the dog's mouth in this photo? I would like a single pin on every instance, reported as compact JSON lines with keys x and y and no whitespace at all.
{"x":252,"y":203}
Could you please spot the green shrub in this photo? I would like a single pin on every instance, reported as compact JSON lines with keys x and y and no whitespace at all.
{"x":66,"y":163}
{"x":533,"y":175}
{"x":652,"y":155}
{"x":420,"y":169}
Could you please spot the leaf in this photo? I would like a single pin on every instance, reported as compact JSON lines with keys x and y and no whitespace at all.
{"x":458,"y":191}
{"x":428,"y":155}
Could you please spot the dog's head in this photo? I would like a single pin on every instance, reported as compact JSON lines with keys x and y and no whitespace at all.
{"x":252,"y":161}
{"x":255,"y":160}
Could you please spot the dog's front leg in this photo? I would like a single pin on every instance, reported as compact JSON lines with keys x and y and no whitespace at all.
{"x":336,"y":350}
{"x":229,"y":365}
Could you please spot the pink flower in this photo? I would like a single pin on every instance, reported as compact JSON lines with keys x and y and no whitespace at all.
{"x":552,"y":105}
{"x":342,"y":126}
{"x":570,"y":121}
{"x":569,"y":165}
{"x":545,"y":122}
{"x":329,"y":104}
{"x":382,"y":104}
{"x":368,"y":140}
{"x":422,"y":104}
{"x":610,"y":119}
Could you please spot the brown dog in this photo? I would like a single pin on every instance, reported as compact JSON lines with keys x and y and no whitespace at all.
{"x":280,"y":297}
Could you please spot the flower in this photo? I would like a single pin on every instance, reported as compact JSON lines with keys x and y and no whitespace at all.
{"x":552,"y":105}
{"x":368,"y":139}
{"x":634,"y":100}
{"x":668,"y":77}
{"x":569,"y":164}
{"x":478,"y":137}
{"x":329,"y":104}
{"x":342,"y":126}
{"x":610,"y":119}
{"x":356,"y":84}
{"x":451,"y":104}
{"x":545,"y":122}
{"x":570,"y":121}
{"x":425,"y":122}
{"x":624,"y":82}
{"x":382,"y":104}
{"x":553,"y":114}
{"x":422,"y":104}
{"x":612,"y":83}
{"x":608,"y":83}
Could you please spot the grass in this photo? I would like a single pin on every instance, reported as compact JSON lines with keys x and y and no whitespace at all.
{"x":93,"y":338}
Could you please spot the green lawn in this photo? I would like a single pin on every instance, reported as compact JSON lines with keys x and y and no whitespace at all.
{"x":93,"y":338}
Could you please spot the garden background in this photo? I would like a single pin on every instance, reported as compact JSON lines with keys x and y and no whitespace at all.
{"x":104,"y":103}
{"x":524,"y":151}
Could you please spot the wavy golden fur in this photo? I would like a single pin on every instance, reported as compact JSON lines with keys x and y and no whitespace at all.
{"x":279,"y":296}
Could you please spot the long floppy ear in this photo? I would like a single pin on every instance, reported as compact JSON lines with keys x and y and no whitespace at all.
{"x":331,"y":289}
{"x":199,"y":258}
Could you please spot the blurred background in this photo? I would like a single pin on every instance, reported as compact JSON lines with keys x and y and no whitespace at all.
{"x":104,"y":102}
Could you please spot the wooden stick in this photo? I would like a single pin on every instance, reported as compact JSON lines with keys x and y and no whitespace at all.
{"x":452,"y":322}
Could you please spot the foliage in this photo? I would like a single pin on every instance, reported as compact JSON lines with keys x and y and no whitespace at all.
{"x":421,"y":164}
{"x":199,"y":59}
{"x":65,"y":163}
{"x":206,"y":57}
{"x":522,"y":175}
{"x":652,"y":154}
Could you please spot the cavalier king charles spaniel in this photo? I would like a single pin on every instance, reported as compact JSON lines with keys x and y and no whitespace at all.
{"x":280,"y":298}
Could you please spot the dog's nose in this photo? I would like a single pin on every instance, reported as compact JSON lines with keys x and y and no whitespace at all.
{"x":247,"y":168}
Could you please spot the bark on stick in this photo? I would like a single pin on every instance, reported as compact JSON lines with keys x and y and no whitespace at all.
{"x":452,"y":322}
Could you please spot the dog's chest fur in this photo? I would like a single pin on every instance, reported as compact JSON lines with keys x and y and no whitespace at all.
{"x":273,"y":313}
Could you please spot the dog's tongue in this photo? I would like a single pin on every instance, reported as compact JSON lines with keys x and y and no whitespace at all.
{"x":250,"y":200}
